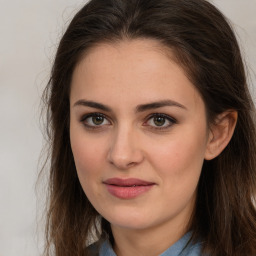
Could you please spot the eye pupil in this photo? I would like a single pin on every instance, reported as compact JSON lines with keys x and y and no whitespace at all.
{"x":159,"y":121}
{"x":97,"y":120}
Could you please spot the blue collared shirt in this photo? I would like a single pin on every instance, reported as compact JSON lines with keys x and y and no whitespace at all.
{"x":176,"y":249}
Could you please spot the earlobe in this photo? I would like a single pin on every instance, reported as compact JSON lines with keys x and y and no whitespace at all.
{"x":221,"y":132}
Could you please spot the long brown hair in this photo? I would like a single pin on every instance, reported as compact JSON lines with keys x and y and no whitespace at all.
{"x":205,"y":46}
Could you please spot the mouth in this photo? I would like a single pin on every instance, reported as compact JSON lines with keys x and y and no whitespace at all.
{"x":127,"y":188}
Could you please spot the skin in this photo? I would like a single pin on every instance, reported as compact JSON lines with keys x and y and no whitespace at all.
{"x":129,"y":144}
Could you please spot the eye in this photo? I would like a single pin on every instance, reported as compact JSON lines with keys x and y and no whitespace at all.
{"x":95,"y":120}
{"x":160,"y":121}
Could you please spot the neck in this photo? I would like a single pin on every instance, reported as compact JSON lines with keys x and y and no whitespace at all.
{"x":150,"y":241}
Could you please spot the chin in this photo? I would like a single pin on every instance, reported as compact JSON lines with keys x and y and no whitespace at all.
{"x":131,"y":224}
{"x":131,"y":220}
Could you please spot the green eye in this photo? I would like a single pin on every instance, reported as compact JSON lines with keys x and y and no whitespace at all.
{"x":159,"y":121}
{"x":97,"y":120}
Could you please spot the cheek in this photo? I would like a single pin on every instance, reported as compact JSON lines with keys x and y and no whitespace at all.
{"x":179,"y":164}
{"x":89,"y":155}
{"x":180,"y":159}
{"x":90,"y":160}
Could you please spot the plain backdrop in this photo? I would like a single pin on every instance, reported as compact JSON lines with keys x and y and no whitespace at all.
{"x":29,"y":34}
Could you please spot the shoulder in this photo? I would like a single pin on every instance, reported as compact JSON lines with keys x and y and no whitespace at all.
{"x":184,"y":247}
{"x":94,"y":248}
{"x":101,"y":248}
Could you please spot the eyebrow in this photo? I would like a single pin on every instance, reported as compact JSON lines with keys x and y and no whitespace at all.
{"x":139,"y":108}
{"x":159,"y":104}
{"x":92,"y":104}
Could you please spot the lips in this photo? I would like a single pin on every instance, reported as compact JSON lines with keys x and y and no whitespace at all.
{"x":127,"y":188}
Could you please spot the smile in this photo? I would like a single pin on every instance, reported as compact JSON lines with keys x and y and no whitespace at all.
{"x":127,"y":188}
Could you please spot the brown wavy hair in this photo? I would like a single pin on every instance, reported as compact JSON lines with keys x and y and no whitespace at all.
{"x":206,"y":47}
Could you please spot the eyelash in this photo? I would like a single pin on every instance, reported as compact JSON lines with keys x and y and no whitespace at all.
{"x":91,"y":115}
{"x":167,"y":118}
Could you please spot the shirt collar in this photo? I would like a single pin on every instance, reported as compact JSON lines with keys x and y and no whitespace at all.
{"x":181,"y":248}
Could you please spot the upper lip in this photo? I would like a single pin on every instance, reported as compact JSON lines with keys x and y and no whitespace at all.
{"x":127,"y":182}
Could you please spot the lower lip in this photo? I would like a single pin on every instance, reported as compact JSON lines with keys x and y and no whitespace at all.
{"x":127,"y":192}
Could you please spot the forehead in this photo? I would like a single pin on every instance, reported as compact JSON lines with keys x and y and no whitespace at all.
{"x":141,"y":70}
{"x":144,"y":54}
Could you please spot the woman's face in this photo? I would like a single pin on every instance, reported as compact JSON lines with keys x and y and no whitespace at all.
{"x":138,"y":134}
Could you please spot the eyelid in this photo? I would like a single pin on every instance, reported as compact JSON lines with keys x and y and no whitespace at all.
{"x":169,"y":118}
{"x":94,"y":114}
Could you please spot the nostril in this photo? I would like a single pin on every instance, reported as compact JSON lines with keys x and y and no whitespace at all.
{"x":123,"y":164}
{"x":131,"y":164}
{"x":124,"y":155}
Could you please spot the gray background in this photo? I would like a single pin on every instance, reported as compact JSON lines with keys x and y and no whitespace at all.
{"x":29,"y":34}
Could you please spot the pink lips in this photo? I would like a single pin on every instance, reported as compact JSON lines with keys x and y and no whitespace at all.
{"x":127,"y":188}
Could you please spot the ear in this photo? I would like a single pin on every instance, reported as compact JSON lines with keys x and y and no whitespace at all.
{"x":221,"y":132}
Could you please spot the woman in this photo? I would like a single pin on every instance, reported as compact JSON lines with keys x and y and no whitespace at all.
{"x":152,"y":134}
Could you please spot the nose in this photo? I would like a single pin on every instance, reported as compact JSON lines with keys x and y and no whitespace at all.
{"x":125,"y":149}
